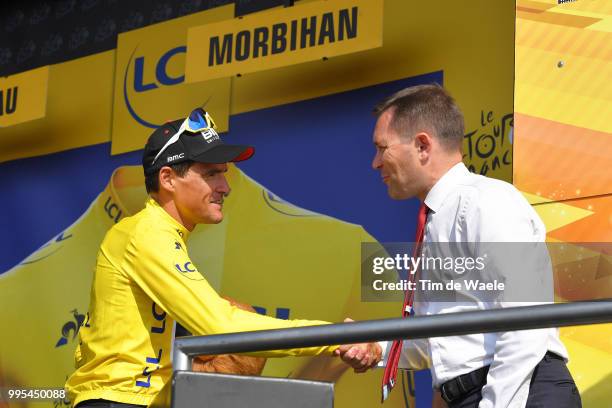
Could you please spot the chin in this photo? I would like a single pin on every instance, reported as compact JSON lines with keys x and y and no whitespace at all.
{"x":217,"y":218}
{"x":398,"y":195}
{"x":212,"y":218}
{"x":394,"y":194}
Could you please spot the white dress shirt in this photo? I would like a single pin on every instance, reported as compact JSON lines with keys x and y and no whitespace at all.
{"x":465,"y":207}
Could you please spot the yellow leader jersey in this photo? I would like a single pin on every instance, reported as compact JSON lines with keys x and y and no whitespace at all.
{"x":144,"y":281}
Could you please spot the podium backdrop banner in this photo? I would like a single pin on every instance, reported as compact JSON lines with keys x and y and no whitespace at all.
{"x":281,"y":37}
{"x":299,"y":210}
{"x":150,"y":86}
{"x":23,"y":97}
{"x":562,"y":152}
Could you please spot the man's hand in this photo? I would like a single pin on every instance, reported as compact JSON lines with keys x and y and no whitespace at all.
{"x":361,"y":356}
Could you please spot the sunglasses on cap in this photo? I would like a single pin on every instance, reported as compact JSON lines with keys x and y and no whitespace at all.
{"x":198,"y":121}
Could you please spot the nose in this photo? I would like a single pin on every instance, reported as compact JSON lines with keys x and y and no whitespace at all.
{"x":223,"y":187}
{"x":377,"y":162}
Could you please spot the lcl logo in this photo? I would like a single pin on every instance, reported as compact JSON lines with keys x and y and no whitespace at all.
{"x":189,"y":271}
{"x":137,"y":83}
{"x":185,"y":268}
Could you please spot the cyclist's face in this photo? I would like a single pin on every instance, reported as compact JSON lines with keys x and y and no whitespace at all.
{"x":199,"y":194}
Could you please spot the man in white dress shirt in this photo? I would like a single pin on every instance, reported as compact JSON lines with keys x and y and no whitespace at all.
{"x":418,"y":139}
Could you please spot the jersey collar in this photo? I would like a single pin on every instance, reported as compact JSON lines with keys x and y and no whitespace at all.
{"x":152,"y":205}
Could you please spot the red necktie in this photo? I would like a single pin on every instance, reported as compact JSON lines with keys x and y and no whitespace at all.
{"x":390,"y":374}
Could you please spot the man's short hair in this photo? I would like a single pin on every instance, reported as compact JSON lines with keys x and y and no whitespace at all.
{"x":152,"y":180}
{"x":427,"y":108}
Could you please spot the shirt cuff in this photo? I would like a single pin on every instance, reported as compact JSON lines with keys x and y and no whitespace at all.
{"x":384,"y":345}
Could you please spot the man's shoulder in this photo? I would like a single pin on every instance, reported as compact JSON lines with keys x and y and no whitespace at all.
{"x":488,"y":190}
{"x":492,"y":199}
{"x":141,"y":227}
{"x":501,"y":204}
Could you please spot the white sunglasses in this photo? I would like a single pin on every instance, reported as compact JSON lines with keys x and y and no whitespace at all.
{"x":198,"y":121}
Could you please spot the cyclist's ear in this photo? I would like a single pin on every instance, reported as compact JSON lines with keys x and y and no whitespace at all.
{"x":166,"y":179}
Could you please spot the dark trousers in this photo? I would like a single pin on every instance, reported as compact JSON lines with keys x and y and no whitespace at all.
{"x":99,"y":403}
{"x":551,"y":385}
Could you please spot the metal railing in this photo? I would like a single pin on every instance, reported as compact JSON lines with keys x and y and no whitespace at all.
{"x":451,"y":324}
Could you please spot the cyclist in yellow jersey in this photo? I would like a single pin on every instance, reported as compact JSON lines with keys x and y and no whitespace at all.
{"x":48,"y":293}
{"x":145,"y":280}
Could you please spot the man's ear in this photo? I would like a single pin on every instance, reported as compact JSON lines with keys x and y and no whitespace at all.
{"x":166,"y":178}
{"x":423,"y":143}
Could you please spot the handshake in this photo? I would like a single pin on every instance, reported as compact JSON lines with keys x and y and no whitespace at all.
{"x":362,"y":356}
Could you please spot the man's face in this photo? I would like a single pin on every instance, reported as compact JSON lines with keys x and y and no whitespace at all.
{"x":199,"y":194}
{"x":396,"y":159}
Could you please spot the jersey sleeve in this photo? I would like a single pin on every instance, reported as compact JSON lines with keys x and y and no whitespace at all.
{"x":161,"y":267}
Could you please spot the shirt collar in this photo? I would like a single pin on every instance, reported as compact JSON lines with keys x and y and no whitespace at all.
{"x":153,"y":205}
{"x":443,"y":187}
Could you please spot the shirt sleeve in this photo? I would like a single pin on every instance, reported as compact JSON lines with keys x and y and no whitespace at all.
{"x":506,"y":225}
{"x":415,"y":355}
{"x":165,"y":273}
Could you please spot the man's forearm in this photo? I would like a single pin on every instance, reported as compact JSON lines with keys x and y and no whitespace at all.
{"x":230,"y":363}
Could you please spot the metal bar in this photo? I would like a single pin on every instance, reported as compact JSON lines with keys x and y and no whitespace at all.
{"x":451,"y":324}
